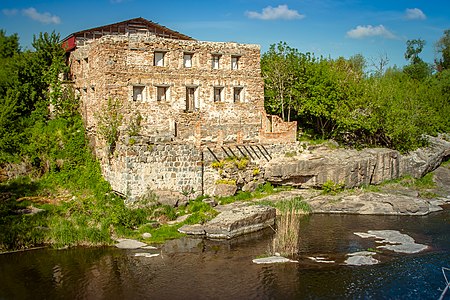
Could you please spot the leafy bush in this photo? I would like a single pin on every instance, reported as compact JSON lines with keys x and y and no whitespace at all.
{"x":330,"y":187}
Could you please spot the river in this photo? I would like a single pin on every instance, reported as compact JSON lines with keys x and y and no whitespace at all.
{"x":197,"y":269}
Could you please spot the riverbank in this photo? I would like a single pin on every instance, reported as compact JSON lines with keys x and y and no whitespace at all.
{"x":32,"y":214}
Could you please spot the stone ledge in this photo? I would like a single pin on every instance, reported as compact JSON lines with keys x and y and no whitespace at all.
{"x":234,"y":222}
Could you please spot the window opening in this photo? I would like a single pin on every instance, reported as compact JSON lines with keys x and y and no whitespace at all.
{"x":215,"y":62}
{"x":234,"y":62}
{"x":138,"y":93}
{"x":217,"y":94}
{"x":159,"y":59}
{"x":187,"y":60}
{"x":237,"y":94}
{"x":190,"y":99}
{"x":161,"y":93}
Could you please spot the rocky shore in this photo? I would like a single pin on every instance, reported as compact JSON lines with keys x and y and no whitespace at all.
{"x":390,"y":199}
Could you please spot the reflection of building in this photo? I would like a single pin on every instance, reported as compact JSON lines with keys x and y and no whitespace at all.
{"x":187,"y":92}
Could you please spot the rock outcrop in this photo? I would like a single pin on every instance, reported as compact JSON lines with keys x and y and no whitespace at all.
{"x":355,"y":168}
{"x":372,"y":203}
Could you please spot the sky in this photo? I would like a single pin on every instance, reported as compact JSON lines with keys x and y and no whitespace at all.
{"x":330,"y":28}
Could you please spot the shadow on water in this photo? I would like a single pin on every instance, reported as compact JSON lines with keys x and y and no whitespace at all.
{"x":192,"y":268}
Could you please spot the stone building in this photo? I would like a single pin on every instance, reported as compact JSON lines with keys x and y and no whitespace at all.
{"x":179,"y":99}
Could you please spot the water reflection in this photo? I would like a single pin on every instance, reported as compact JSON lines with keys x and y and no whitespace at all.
{"x":203,"y":269}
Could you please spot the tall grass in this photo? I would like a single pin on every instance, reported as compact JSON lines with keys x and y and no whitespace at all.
{"x":287,"y":233}
{"x":286,"y":239}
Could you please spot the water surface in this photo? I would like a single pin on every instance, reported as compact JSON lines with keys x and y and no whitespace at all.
{"x":198,"y":269}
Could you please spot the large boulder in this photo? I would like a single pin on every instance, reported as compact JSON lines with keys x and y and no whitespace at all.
{"x":225,"y":190}
{"x":349,"y":167}
{"x":172,"y":198}
{"x":235,"y":222}
{"x":424,"y":160}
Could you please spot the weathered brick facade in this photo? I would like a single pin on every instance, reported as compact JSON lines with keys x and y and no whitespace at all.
{"x":188,"y":92}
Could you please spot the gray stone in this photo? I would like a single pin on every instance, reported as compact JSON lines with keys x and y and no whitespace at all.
{"x":441,"y":176}
{"x":235,"y":222}
{"x":405,"y":248}
{"x":146,"y":235}
{"x":31,"y":210}
{"x":210,"y":201}
{"x":372,"y":203}
{"x":196,"y":229}
{"x":360,"y":260}
{"x":129,"y":244}
{"x":396,"y":241}
{"x":149,"y":248}
{"x":361,"y":253}
{"x":179,"y":219}
{"x":171,"y":198}
{"x":273,"y":260}
{"x":250,"y":186}
{"x":355,"y":168}
{"x":225,"y":190}
{"x":145,"y":254}
{"x":322,"y":260}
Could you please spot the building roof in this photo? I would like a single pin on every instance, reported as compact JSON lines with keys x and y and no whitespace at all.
{"x":136,"y":25}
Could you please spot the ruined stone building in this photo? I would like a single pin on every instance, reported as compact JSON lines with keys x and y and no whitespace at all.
{"x":183,"y":101}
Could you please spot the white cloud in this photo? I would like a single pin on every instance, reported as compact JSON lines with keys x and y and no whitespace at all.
{"x":361,"y":32}
{"x":10,"y":12}
{"x":45,"y":17}
{"x":414,"y":14}
{"x":274,"y":13}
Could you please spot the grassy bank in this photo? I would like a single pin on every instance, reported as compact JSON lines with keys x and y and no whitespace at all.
{"x":64,"y":218}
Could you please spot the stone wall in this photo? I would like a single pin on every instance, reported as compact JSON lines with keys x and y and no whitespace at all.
{"x":139,"y":165}
{"x":123,"y":67}
{"x":135,"y":170}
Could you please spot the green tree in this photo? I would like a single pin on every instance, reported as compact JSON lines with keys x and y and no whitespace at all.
{"x":9,"y":45}
{"x":27,"y":80}
{"x":417,"y":68}
{"x":443,"y":49}
{"x":278,"y":71}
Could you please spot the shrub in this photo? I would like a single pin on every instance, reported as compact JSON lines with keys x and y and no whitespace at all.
{"x":330,"y":187}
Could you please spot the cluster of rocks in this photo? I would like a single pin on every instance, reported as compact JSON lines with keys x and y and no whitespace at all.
{"x":234,"y":177}
{"x":391,"y":240}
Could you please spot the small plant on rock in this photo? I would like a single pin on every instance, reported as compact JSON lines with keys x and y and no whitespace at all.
{"x":226,"y":181}
{"x":330,"y":187}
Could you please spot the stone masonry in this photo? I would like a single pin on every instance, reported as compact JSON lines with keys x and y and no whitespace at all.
{"x":191,"y":96}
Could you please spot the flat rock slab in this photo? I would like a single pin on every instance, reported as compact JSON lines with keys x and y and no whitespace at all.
{"x":145,"y":254}
{"x":361,"y":260}
{"x":234,"y":222}
{"x":396,"y":241}
{"x":322,"y":260}
{"x":373,"y":204}
{"x":130,"y":244}
{"x":196,"y":229}
{"x":272,"y":260}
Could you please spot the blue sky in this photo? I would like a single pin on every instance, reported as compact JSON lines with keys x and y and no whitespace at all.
{"x":324,"y":27}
